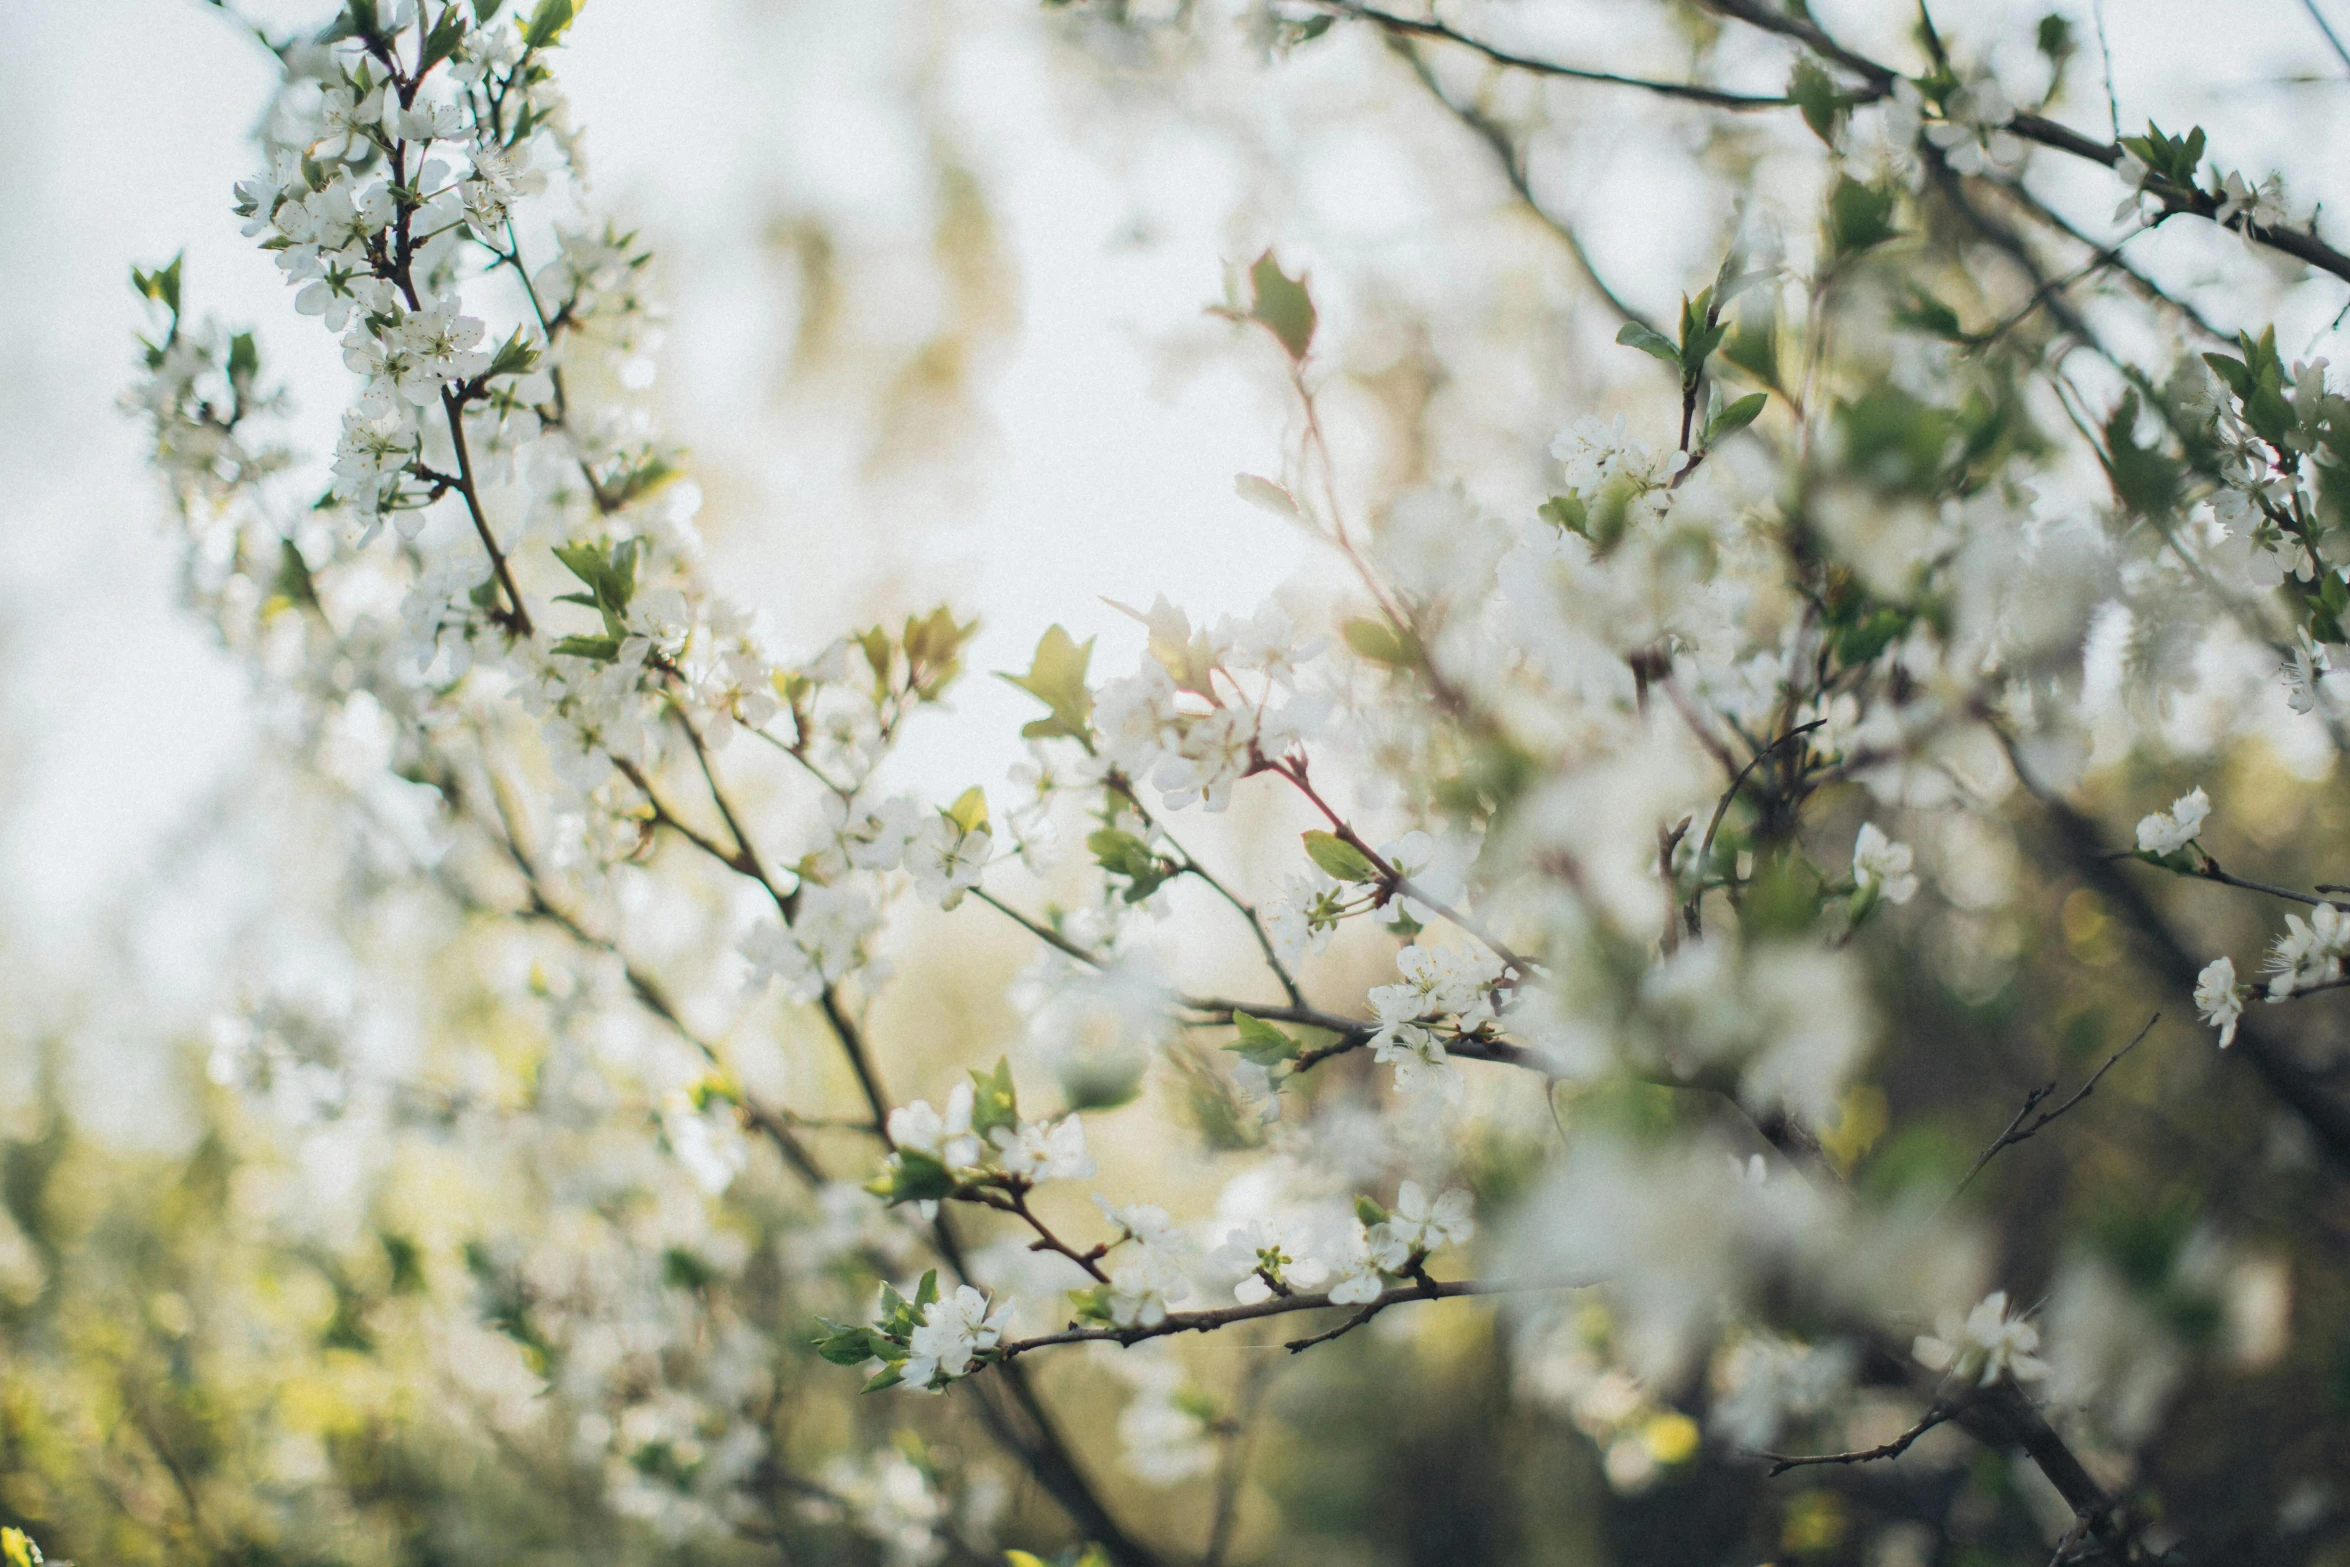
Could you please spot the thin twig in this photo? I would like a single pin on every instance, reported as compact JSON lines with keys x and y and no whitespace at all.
{"x":1690,"y":92}
{"x":1513,"y":167}
{"x":1210,"y":1320}
{"x":2018,"y":1131}
{"x":1782,"y":1462}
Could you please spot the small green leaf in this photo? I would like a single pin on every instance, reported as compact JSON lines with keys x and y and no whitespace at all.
{"x":926,"y":1292}
{"x":1814,"y":92}
{"x":1368,"y":1210}
{"x":1381,"y":643}
{"x":546,"y":24}
{"x":916,"y":1177}
{"x":1261,"y":1042}
{"x":442,"y":41}
{"x":161,"y":285}
{"x":1056,"y":677}
{"x":1736,"y":417}
{"x":1282,"y":305}
{"x":969,"y":812}
{"x":293,"y":582}
{"x":1566,"y":512}
{"x":1340,"y":860}
{"x":844,"y":1344}
{"x":244,"y":360}
{"x":602,"y":649}
{"x":516,"y":356}
{"x":1860,"y":216}
{"x":992,"y":1100}
{"x":1649,"y":340}
{"x":886,"y":1377}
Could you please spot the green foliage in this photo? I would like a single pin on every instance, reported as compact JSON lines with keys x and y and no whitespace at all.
{"x":1640,"y":335}
{"x":993,"y":1102}
{"x":1823,"y":106}
{"x":1056,"y":677}
{"x":608,"y":572}
{"x":1261,"y":1042}
{"x":1123,"y":855}
{"x":161,"y":284}
{"x":1736,"y":417}
{"x":912,"y":1176}
{"x":2145,"y":479}
{"x":1383,"y":643}
{"x":1860,"y":217}
{"x":1281,"y":305}
{"x":444,"y":38}
{"x":2257,"y":381}
{"x":2171,"y":161}
{"x":1339,"y":860}
{"x":547,"y":22}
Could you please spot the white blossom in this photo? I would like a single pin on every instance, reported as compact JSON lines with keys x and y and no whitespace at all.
{"x":956,"y":1328}
{"x":2167,"y":832}
{"x":2218,"y":999}
{"x":1880,"y":866}
{"x":1052,"y":1151}
{"x":1984,"y":1346}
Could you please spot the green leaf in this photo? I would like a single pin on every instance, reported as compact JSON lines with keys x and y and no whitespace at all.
{"x":293,"y":582}
{"x":1736,"y":417}
{"x":933,"y":645}
{"x":1650,"y":341}
{"x":926,"y":1292}
{"x":969,"y":812}
{"x":1339,"y":860}
{"x":2145,"y":479}
{"x":1261,"y":1042}
{"x":602,"y":649}
{"x":844,"y":1344}
{"x":1814,"y":92}
{"x":1927,"y":314}
{"x":1860,"y":217}
{"x":2234,"y":371}
{"x":886,"y":1377}
{"x":546,"y":24}
{"x":1566,"y":512}
{"x":244,"y":360}
{"x":1368,"y":1210}
{"x":483,"y":10}
{"x":516,"y":356}
{"x":1282,"y":305}
{"x":916,"y":1177}
{"x":1120,"y":853}
{"x":441,"y":43}
{"x":161,"y":285}
{"x":992,"y":1101}
{"x":1056,"y":677}
{"x":1381,"y":643}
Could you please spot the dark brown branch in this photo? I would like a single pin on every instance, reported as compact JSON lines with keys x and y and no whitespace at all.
{"x":2302,"y":246}
{"x":1782,"y":1462}
{"x":1689,"y":92}
{"x":1210,"y":1320}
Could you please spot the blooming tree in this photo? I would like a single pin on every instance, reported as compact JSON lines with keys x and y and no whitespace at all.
{"x":1678,"y":870}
